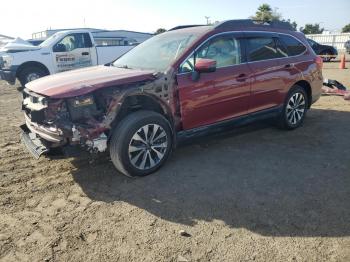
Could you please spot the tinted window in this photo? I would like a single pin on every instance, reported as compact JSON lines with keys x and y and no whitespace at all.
{"x":225,"y":50}
{"x":294,"y":47}
{"x":73,"y":41}
{"x":262,"y":48}
{"x":312,"y":43}
{"x":281,"y":49}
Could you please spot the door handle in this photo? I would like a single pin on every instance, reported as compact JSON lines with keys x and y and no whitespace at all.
{"x":289,"y":66}
{"x":241,"y":78}
{"x":85,"y":53}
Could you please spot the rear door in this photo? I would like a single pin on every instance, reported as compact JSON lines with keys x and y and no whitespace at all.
{"x":73,"y":51}
{"x":268,"y":75}
{"x":219,"y":95}
{"x":293,"y":60}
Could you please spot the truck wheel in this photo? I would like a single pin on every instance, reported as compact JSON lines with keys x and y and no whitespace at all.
{"x":294,"y":109}
{"x":141,"y":143}
{"x":326,"y":56}
{"x":29,"y":74}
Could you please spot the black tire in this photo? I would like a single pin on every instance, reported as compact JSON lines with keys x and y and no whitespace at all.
{"x":284,"y":119}
{"x":123,"y":136}
{"x":27,"y":74}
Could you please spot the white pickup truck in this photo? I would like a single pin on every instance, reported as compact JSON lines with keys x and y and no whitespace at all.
{"x":63,"y":51}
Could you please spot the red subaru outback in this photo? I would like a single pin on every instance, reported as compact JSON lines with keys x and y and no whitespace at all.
{"x":185,"y":82}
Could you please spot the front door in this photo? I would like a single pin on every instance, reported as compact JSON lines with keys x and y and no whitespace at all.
{"x":72,"y":52}
{"x":219,"y":95}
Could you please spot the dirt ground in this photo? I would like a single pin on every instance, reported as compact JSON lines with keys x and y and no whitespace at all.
{"x":256,"y":194}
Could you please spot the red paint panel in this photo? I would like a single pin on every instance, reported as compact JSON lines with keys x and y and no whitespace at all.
{"x":267,"y":85}
{"x":215,"y":97}
{"x":83,"y":81}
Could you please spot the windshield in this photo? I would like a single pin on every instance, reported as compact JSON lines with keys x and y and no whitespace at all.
{"x":50,"y":40}
{"x":159,"y":52}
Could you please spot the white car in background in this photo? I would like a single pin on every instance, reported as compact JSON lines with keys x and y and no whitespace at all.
{"x":63,"y":51}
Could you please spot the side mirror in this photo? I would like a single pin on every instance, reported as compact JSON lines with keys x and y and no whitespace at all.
{"x":205,"y":65}
{"x":59,"y":48}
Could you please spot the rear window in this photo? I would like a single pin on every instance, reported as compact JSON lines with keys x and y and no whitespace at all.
{"x":294,"y":46}
{"x":262,"y":48}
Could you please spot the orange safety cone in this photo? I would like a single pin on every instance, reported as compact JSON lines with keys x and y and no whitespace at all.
{"x":342,"y":62}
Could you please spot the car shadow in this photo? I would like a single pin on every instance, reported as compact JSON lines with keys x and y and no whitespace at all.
{"x":272,"y":182}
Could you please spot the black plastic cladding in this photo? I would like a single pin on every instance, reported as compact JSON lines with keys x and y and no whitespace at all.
{"x":244,"y":23}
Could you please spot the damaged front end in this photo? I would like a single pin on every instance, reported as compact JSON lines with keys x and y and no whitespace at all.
{"x":52,"y":123}
{"x":86,"y":115}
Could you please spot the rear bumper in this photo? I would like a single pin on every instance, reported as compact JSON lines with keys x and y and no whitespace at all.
{"x":8,"y":75}
{"x":34,"y":144}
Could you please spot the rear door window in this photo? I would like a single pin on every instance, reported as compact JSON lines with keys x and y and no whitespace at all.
{"x":294,"y":46}
{"x":262,"y":48}
{"x":281,"y":48}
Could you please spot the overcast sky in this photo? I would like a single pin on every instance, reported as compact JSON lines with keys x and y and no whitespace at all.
{"x":23,"y":17}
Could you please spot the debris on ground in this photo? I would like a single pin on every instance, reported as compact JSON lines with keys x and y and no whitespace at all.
{"x":333,"y":87}
{"x":184,"y":233}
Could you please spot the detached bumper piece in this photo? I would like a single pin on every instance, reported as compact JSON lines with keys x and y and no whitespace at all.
{"x":35,"y":146}
{"x":8,"y":76}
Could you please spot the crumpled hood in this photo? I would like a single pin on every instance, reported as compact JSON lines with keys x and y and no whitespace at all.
{"x":83,"y":81}
{"x":19,"y":45}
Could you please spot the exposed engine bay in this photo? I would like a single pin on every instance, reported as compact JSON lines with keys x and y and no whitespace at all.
{"x":86,"y":119}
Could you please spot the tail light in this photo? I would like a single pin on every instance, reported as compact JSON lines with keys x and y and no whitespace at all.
{"x":319,"y":62}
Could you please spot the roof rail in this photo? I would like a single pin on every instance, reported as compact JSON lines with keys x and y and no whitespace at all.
{"x":250,"y":23}
{"x":183,"y":27}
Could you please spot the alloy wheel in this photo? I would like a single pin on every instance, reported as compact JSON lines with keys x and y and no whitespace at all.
{"x":296,"y":108}
{"x":148,"y":146}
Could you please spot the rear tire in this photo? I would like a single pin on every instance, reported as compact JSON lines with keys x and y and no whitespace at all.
{"x":141,"y":143}
{"x":294,"y":109}
{"x":29,"y":74}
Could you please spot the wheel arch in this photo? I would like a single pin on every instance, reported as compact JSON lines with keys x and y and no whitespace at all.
{"x":31,"y":64}
{"x":307,"y":87}
{"x":143,"y":101}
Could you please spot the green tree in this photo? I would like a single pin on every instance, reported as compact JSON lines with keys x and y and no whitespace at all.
{"x":346,"y":29}
{"x":265,"y":13}
{"x":312,"y":29}
{"x":160,"y":30}
{"x":293,"y":24}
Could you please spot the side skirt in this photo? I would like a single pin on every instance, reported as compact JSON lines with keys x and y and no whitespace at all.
{"x":228,"y":124}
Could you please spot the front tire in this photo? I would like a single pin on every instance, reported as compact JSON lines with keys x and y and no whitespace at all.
{"x":29,"y":74}
{"x":141,"y":143}
{"x":294,"y":109}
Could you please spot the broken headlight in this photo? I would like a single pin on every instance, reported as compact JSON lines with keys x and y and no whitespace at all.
{"x":83,"y":101}
{"x":82,"y":107}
